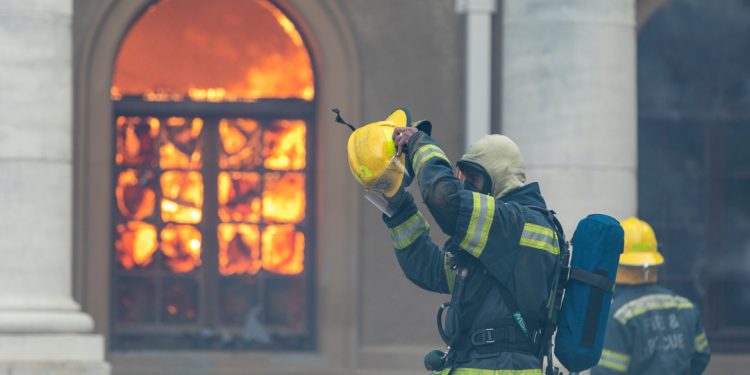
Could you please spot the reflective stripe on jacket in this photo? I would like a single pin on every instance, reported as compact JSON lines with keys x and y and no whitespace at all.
{"x":513,"y":242}
{"x":651,"y":330}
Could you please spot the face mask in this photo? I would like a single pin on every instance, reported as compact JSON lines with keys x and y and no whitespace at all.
{"x":470,"y":187}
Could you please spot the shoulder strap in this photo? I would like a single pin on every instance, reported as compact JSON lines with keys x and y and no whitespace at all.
{"x":560,"y":278}
{"x":512,"y":305}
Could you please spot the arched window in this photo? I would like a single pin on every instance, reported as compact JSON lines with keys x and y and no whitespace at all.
{"x":213,"y":109}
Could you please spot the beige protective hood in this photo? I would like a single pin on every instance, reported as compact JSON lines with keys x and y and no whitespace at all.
{"x":502,"y":160}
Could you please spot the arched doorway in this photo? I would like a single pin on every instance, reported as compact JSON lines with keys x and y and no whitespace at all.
{"x":335,"y":55}
{"x":214,"y":113}
{"x":694,"y":163}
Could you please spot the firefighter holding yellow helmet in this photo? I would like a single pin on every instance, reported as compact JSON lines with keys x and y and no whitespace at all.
{"x":651,"y":330}
{"x":499,"y":262}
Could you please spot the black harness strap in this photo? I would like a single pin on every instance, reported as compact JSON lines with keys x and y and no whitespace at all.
{"x":554,"y":303}
{"x":597,"y":279}
{"x":593,"y":311}
{"x":510,"y":334}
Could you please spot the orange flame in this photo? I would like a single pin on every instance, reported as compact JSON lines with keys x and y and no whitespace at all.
{"x":240,"y":142}
{"x":283,"y":249}
{"x":232,"y":50}
{"x":135,"y":199}
{"x":182,"y":246}
{"x":136,"y":244}
{"x":284,"y":145}
{"x":215,"y":94}
{"x":181,"y":146}
{"x":182,"y":197}
{"x":239,"y":249}
{"x":136,"y":140}
{"x":239,"y":197}
{"x":284,"y":197}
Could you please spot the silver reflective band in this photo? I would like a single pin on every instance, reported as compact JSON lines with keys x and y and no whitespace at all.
{"x":539,"y":237}
{"x":482,"y":213}
{"x":650,"y":303}
{"x":426,"y":153}
{"x":407,"y":232}
{"x":614,"y":361}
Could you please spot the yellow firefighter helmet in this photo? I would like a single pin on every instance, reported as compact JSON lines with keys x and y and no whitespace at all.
{"x":640,"y":244}
{"x":371,"y":154}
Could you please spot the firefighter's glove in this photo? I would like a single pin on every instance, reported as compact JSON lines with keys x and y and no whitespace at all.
{"x":398,"y":199}
{"x":402,"y":137}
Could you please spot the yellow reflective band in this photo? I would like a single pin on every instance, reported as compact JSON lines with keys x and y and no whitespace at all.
{"x":650,"y":303}
{"x":407,"y":232}
{"x":479,"y":371}
{"x":450,"y":275}
{"x":701,"y":343}
{"x":482,"y":213}
{"x":426,"y":153}
{"x":614,"y":360}
{"x":539,"y":237}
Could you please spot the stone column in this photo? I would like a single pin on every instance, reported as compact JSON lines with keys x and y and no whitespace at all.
{"x":42,"y":330}
{"x":478,"y":66}
{"x":569,"y":101}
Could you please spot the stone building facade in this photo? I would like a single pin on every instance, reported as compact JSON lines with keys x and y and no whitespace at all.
{"x":561,"y":79}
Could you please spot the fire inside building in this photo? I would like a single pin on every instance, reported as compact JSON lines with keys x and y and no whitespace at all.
{"x":177,"y":200}
{"x":211,"y":179}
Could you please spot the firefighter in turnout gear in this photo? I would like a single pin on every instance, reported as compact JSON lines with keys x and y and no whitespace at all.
{"x":499,"y":261}
{"x":651,"y":330}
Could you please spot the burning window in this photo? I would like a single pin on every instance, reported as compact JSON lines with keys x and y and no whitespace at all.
{"x":213,"y":102}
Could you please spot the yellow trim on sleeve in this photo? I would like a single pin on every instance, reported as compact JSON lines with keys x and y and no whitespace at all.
{"x":480,"y":223}
{"x":701,"y":342}
{"x":539,"y":237}
{"x":614,"y":360}
{"x":407,"y":232}
{"x":426,"y":153}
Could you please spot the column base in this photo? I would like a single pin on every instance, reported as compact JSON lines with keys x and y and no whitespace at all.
{"x":55,"y":368}
{"x":44,"y":322}
{"x":52,"y":354}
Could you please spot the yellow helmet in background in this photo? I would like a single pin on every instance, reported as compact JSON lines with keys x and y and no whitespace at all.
{"x":371,"y":151}
{"x":641,"y":248}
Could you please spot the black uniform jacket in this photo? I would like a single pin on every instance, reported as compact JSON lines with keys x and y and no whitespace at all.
{"x":509,"y":239}
{"x":651,"y":330}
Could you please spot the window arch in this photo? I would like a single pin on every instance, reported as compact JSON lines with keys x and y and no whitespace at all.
{"x":213,"y":103}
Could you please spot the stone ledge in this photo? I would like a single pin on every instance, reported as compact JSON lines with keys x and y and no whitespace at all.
{"x":44,"y":322}
{"x":38,"y":349}
{"x":55,"y":368}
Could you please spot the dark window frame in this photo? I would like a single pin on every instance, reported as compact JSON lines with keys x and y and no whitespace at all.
{"x":208,"y":338}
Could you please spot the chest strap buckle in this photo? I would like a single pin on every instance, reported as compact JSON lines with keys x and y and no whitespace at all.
{"x":483,"y":337}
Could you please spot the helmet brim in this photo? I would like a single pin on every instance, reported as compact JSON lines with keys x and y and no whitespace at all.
{"x":641,"y":259}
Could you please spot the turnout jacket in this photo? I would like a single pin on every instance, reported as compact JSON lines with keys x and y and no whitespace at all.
{"x":651,"y":330}
{"x":504,"y":239}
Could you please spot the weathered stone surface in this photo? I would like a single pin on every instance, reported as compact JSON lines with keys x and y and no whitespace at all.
{"x":36,"y":232}
{"x":569,"y":101}
{"x":42,"y":330}
{"x":35,"y":77}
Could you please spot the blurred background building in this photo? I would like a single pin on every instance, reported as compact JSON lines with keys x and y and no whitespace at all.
{"x":176,"y":197}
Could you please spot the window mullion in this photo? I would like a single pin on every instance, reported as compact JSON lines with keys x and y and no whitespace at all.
{"x":210,"y":244}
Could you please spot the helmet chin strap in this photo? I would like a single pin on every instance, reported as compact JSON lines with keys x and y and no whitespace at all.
{"x":646,"y":270}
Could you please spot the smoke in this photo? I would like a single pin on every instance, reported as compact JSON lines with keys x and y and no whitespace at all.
{"x":697,"y":47}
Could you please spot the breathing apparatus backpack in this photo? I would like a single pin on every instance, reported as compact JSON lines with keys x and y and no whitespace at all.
{"x":582,"y":318}
{"x":581,"y":295}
